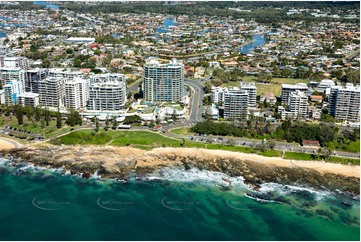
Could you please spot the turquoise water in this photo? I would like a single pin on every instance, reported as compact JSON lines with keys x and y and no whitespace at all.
{"x":258,"y":40}
{"x":166,"y":23}
{"x":43,"y":3}
{"x":170,"y":205}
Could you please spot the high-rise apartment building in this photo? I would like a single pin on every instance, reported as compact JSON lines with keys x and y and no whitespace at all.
{"x":64,"y":73}
{"x":76,"y":93}
{"x":298,"y":105}
{"x":163,"y":82}
{"x":287,"y":89}
{"x":345,"y":102}
{"x":251,"y":89}
{"x":11,"y":74}
{"x":107,"y":93}
{"x":236,"y":104}
{"x":11,"y":91}
{"x":32,"y":78}
{"x":217,"y":94}
{"x":15,"y":62}
{"x":52,"y":91}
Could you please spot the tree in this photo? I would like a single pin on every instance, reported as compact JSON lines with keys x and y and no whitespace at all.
{"x":132,"y":119}
{"x":37,"y":113}
{"x":264,"y":76}
{"x":19,"y":114}
{"x":174,"y":115}
{"x":73,"y":118}
{"x":106,"y":127}
{"x":115,"y":123}
{"x":352,"y":76}
{"x":47,"y":117}
{"x":96,"y":124}
{"x":58,"y":120}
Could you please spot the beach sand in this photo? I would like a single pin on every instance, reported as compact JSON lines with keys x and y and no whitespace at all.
{"x":6,"y":144}
{"x":322,"y":167}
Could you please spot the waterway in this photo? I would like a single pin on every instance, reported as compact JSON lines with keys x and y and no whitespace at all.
{"x":43,"y":3}
{"x":257,"y":41}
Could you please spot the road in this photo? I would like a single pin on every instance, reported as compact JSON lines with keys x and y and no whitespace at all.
{"x":280,"y":146}
{"x":196,"y":107}
{"x":134,"y":87}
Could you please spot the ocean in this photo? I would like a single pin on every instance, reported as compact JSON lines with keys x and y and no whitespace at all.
{"x":43,"y":204}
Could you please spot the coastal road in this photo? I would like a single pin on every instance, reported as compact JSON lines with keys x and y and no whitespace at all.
{"x":196,"y":108}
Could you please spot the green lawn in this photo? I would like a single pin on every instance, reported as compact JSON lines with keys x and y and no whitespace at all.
{"x":354,"y":146}
{"x":30,"y":126}
{"x":181,"y":131}
{"x":148,"y":140}
{"x":264,"y":88}
{"x":144,"y":138}
{"x":138,"y":139}
{"x":297,"y":156}
{"x":332,"y":159}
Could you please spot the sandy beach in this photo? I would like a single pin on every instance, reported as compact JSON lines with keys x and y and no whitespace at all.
{"x":6,"y":144}
{"x":320,"y":166}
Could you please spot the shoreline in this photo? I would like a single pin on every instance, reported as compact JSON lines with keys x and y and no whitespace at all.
{"x":122,"y":162}
{"x":321,"y":166}
{"x":6,"y":144}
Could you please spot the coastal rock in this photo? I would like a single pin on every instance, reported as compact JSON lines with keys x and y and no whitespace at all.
{"x":120,"y":162}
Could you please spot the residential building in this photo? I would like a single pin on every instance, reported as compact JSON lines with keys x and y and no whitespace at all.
{"x":32,"y":78}
{"x":11,"y":91}
{"x":214,"y":64}
{"x":52,"y":92}
{"x":315,"y":113}
{"x":2,"y":97}
{"x":66,"y":73}
{"x":270,"y":98}
{"x":15,"y":62}
{"x":298,"y":105}
{"x":108,"y":94}
{"x":316,"y":98}
{"x":29,"y":99}
{"x":76,"y":93}
{"x":287,"y":89}
{"x":236,"y":104}
{"x":80,"y":40}
{"x":345,"y":102}
{"x":217,"y":94}
{"x":251,"y":89}
{"x":324,"y":84}
{"x":163,"y":82}
{"x":10,"y":74}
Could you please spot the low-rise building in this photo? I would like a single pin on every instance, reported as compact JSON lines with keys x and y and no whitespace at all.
{"x":29,"y":99}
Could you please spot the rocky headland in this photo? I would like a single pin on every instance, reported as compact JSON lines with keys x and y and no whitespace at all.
{"x":120,"y":162}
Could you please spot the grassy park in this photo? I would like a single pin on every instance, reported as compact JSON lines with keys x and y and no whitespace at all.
{"x":263,"y":88}
{"x":148,"y":140}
